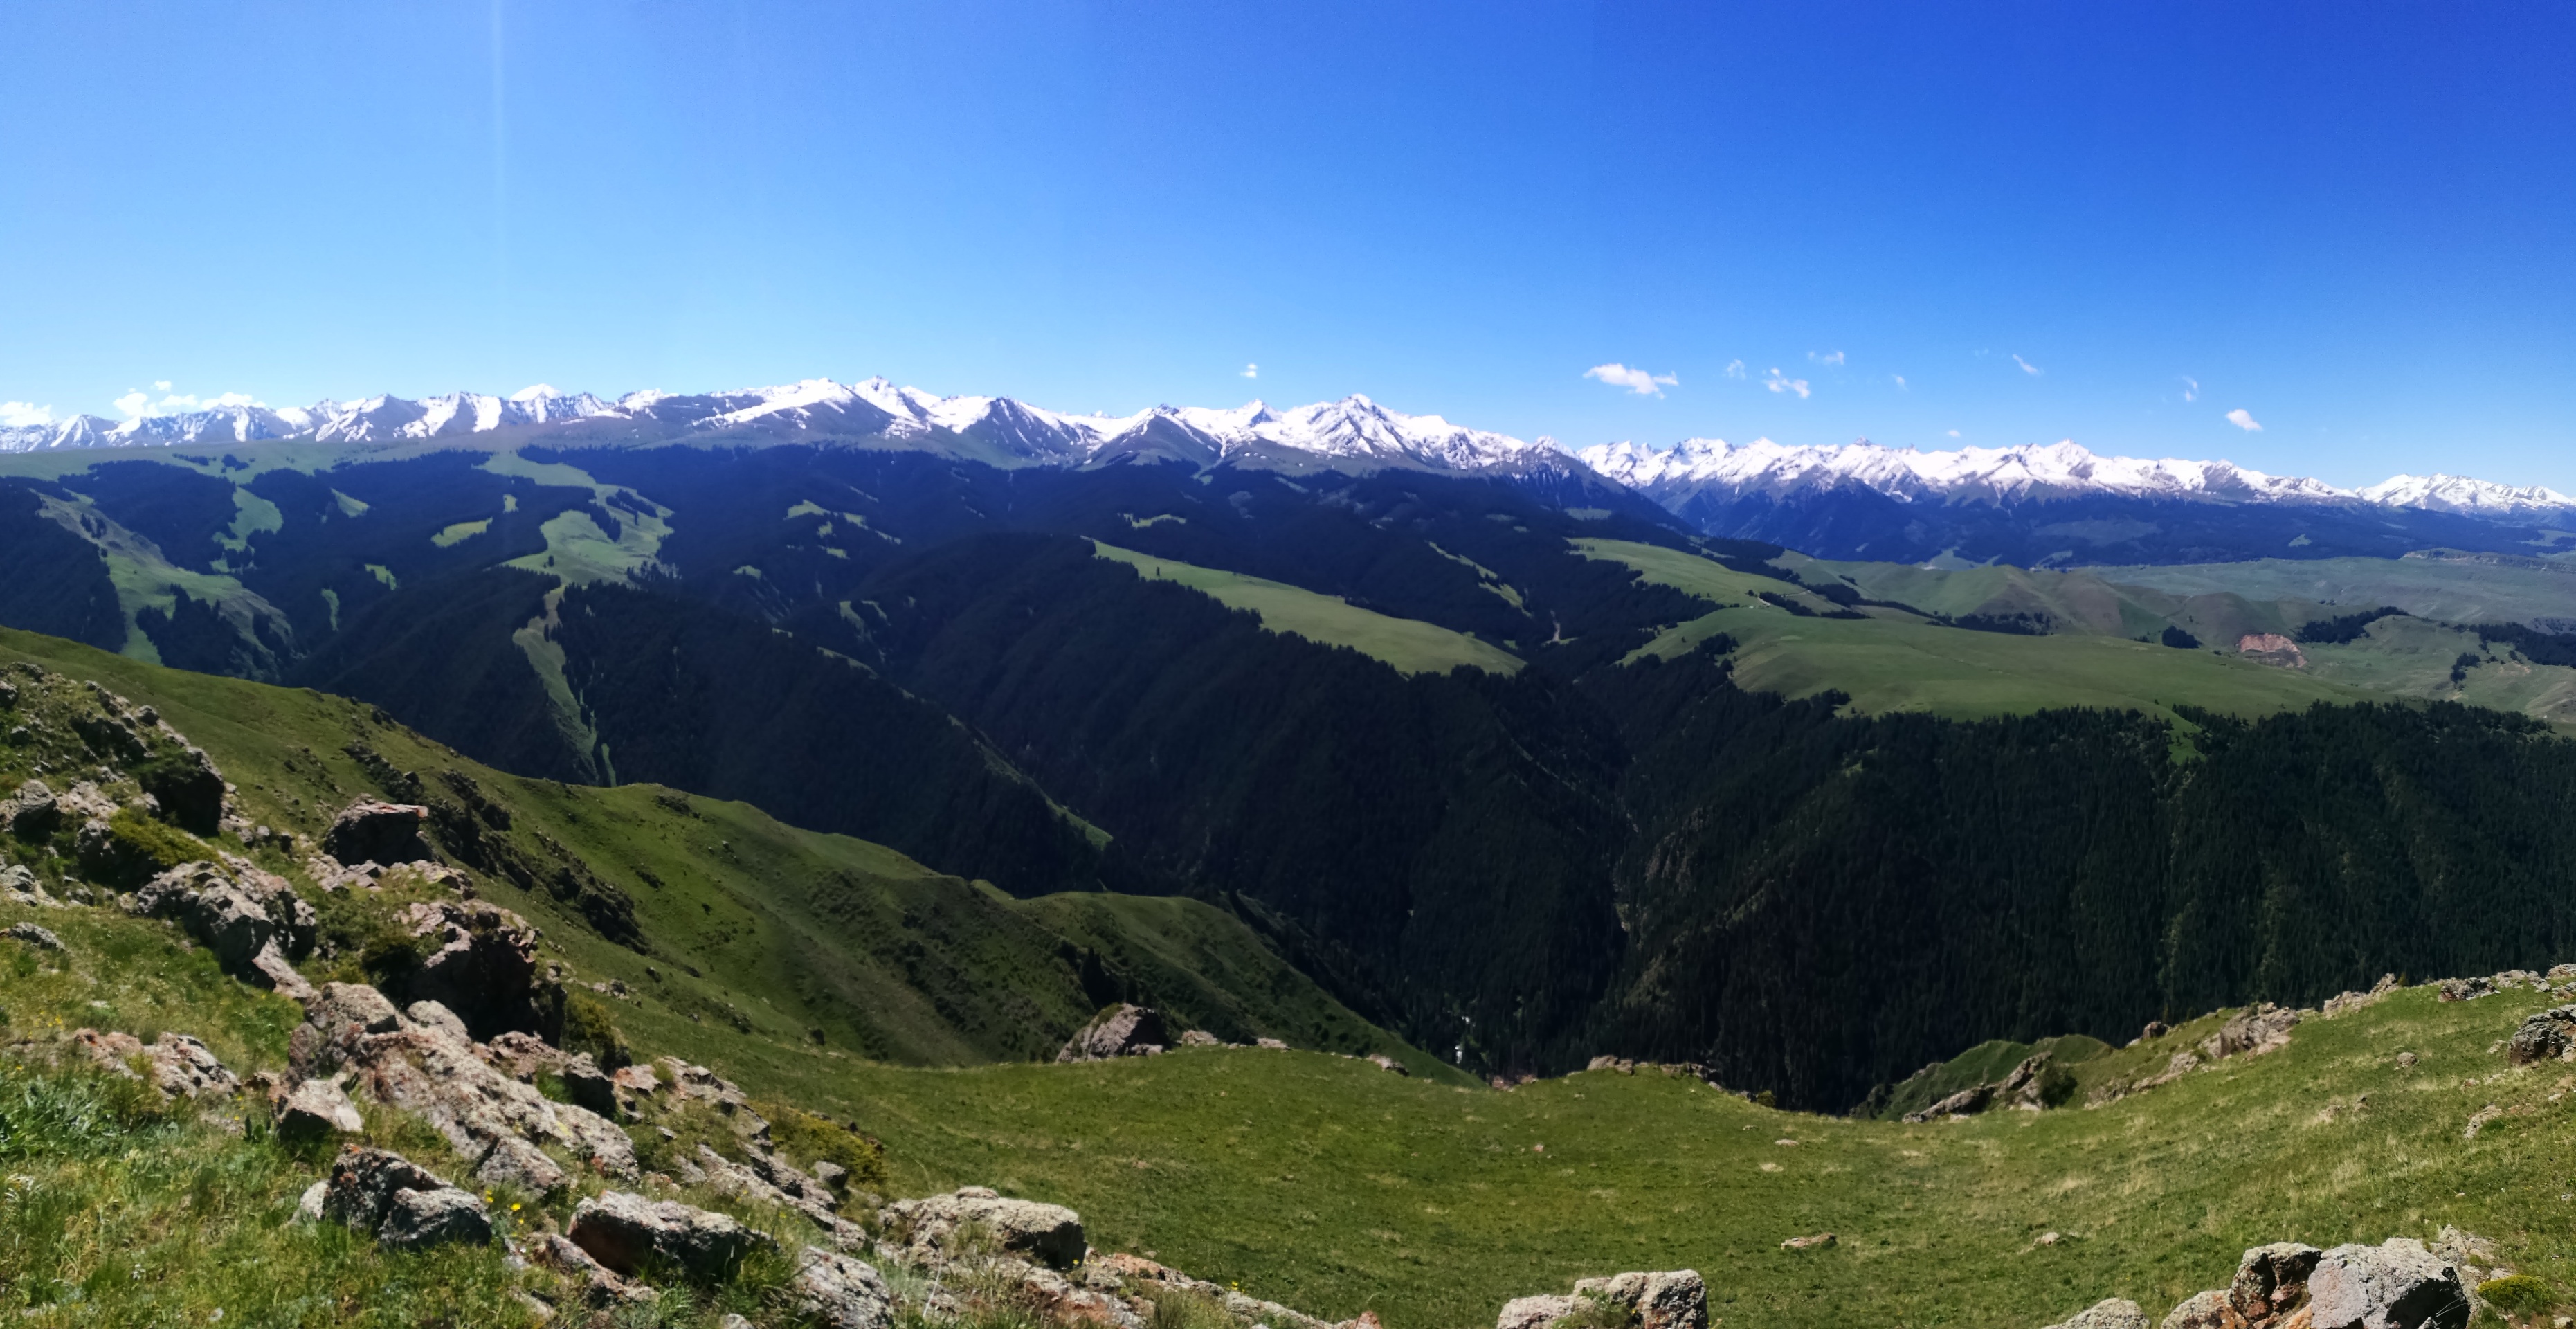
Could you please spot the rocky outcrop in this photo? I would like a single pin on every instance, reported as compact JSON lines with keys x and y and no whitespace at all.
{"x":2109,"y":1313}
{"x":249,"y":918}
{"x":1966,"y":1102}
{"x":33,"y":812}
{"x":314,"y":1110}
{"x":370,"y":831}
{"x":2271,"y":648}
{"x":838,"y":1292}
{"x":944,"y":1227}
{"x":1123,"y":1030}
{"x":176,"y":1064}
{"x":41,"y":938}
{"x":488,"y":1116}
{"x":622,"y":1231}
{"x":2548,"y":1035}
{"x":478,"y":961}
{"x":1671,"y":1299}
{"x":2398,"y":1284}
{"x":405,"y":1206}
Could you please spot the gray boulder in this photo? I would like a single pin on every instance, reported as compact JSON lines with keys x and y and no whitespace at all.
{"x":33,"y":812}
{"x":2108,"y":1313}
{"x":2272,"y":1280}
{"x":479,"y":962}
{"x":316,"y":1109}
{"x":1123,"y":1030}
{"x":2544,"y":1036}
{"x":2396,"y":1284}
{"x":373,"y":831}
{"x":2205,"y":1310}
{"x":1972,"y":1099}
{"x":1672,"y":1299}
{"x":839,"y":1292}
{"x":934,"y":1228}
{"x":417,"y":1220}
{"x":42,"y":939}
{"x":622,"y":1230}
{"x":249,"y":918}
{"x":176,"y":1064}
{"x":1536,"y":1312}
{"x":515,"y":1162}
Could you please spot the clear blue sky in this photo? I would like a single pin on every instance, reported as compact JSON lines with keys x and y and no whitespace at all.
{"x":2354,"y":222}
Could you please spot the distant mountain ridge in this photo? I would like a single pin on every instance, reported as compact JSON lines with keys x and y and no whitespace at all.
{"x":2032,"y":504}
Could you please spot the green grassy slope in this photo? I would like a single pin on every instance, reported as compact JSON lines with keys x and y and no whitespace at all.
{"x":2461,"y":589}
{"x":752,"y":927}
{"x":1411,"y":645}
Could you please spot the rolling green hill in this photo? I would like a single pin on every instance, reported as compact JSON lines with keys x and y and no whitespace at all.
{"x":1412,"y":646}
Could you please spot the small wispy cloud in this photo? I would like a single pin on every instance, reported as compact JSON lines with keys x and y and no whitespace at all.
{"x":1954,"y":433}
{"x":1826,"y":358}
{"x":1735,"y":369}
{"x":2190,"y":388}
{"x":2026,"y":366}
{"x":139,"y":404}
{"x":2244,"y":419}
{"x":1779,"y":382}
{"x":1251,"y":371}
{"x":1900,"y":379}
{"x":24,"y":415}
{"x":1635,"y":380}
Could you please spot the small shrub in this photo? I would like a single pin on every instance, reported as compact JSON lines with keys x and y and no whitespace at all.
{"x":2056,"y":1085}
{"x":135,"y":849}
{"x":809,"y":1139}
{"x":588,"y":1027}
{"x":1179,"y":1308}
{"x":2517,"y":1294}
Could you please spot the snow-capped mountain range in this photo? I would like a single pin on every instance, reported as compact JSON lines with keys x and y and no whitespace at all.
{"x":1354,"y":431}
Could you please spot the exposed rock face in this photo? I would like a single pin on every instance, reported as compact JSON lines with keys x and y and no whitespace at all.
{"x":2348,"y":1002}
{"x":621,"y":1230}
{"x":42,"y":939}
{"x":2204,"y":1310}
{"x":376,"y":1190}
{"x":175,"y":1064}
{"x":249,"y":918}
{"x":2464,"y":989}
{"x":369,"y":831}
{"x":2396,"y":1284}
{"x":317,"y":1108}
{"x":2271,"y":648}
{"x":1536,"y":1312}
{"x":33,"y":812}
{"x":602,"y":1286}
{"x":1674,"y":1299}
{"x":839,"y":1292}
{"x":2272,"y":1280}
{"x":1124,"y":1030}
{"x":449,"y":1083}
{"x":2256,"y":1030}
{"x":480,"y":962}
{"x":2109,"y":1313}
{"x":2545,"y":1036}
{"x":1047,"y":1234}
{"x":1963,"y":1103}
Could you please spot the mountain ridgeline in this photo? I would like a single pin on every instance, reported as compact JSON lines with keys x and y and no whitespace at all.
{"x":1579,"y":847}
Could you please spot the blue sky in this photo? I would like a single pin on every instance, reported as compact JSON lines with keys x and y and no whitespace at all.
{"x":2355,"y":223}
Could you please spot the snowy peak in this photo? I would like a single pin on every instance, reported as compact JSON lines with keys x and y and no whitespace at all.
{"x":2038,"y":471}
{"x":2474,"y":498}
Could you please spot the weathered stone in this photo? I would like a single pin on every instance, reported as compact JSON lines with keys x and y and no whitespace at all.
{"x":2108,"y":1313}
{"x":238,"y":911}
{"x":1818,"y":1241}
{"x":479,"y":961}
{"x":1200,"y":1038}
{"x":1672,"y":1299}
{"x":602,"y":1286}
{"x":831,"y":1174}
{"x":839,"y":1292}
{"x":416,"y":1220}
{"x":2464,"y":989}
{"x":363,"y":1183}
{"x":2272,"y":1280}
{"x":1970,"y":1100}
{"x":1047,"y":1234}
{"x":2544,"y":1036}
{"x":2256,"y":1030}
{"x":1536,"y":1312}
{"x":371,"y":831}
{"x":342,"y":1004}
{"x":515,"y":1162}
{"x":622,"y":1230}
{"x":42,"y":939}
{"x":1124,"y":1030}
{"x":448,"y":1083}
{"x":2394,"y":1285}
{"x":33,"y":812}
{"x":435,"y":1015}
{"x":1386,"y":1063}
{"x":315,"y":1109}
{"x":2204,"y":1310}
{"x":176,"y":1064}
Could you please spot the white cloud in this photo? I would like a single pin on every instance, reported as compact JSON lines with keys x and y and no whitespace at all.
{"x":1900,"y":379}
{"x":139,"y":404}
{"x":2026,"y":366}
{"x":1735,"y":369}
{"x":1635,"y":380}
{"x":160,"y":385}
{"x":2190,"y":388}
{"x":1252,"y":371}
{"x":24,"y":415}
{"x":1828,"y":358}
{"x":1779,"y":382}
{"x":1954,"y":433}
{"x":2244,"y":419}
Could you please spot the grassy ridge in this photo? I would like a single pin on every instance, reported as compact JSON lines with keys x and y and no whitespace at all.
{"x":1413,"y":646}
